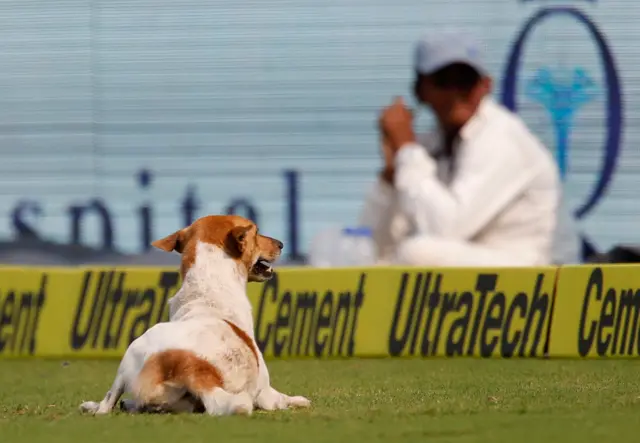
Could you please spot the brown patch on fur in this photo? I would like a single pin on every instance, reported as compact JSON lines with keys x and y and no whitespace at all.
{"x":175,"y":368}
{"x":246,"y":339}
{"x":236,"y":235}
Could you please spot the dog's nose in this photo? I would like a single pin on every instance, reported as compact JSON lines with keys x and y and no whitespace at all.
{"x":279,"y":244}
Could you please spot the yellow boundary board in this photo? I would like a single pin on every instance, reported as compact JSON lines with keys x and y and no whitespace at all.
{"x":579,"y":311}
{"x":597,"y":312}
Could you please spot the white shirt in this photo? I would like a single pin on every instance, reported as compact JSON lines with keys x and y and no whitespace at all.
{"x":502,"y":191}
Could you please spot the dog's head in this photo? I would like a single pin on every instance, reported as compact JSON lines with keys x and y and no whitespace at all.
{"x":237,"y":236}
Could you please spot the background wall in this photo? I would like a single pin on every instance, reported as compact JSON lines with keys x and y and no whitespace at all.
{"x":169,"y":105}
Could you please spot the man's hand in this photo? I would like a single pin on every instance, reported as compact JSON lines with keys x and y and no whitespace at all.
{"x":396,"y":125}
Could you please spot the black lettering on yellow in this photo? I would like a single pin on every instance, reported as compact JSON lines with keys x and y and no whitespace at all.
{"x":143,"y":320}
{"x":615,"y":314}
{"x":108,"y":309}
{"x":540,"y":306}
{"x":269,"y":293}
{"x":80,"y":333}
{"x":493,"y":321}
{"x":20,"y":318}
{"x":6,"y":319}
{"x":396,"y":345}
{"x":433,"y":304}
{"x":130,"y":300}
{"x":105,"y":292}
{"x":508,"y":347}
{"x":168,"y":284}
{"x":594,"y":284}
{"x":482,"y":322}
{"x":420,"y":310}
{"x":484,"y":284}
{"x":116,"y":296}
{"x":606,"y":321}
{"x":460,"y":326}
{"x":423,"y":300}
{"x":282,"y":324}
{"x":448,"y":306}
{"x":346,"y":323}
{"x":307,"y":322}
{"x":324,"y":323}
{"x":304,"y":314}
{"x":628,"y":306}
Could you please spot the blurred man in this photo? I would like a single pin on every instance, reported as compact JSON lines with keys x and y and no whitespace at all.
{"x":481,"y":190}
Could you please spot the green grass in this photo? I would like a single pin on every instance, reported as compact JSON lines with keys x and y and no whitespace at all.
{"x":393,"y":401}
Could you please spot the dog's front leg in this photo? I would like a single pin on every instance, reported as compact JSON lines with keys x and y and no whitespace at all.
{"x":269,"y":399}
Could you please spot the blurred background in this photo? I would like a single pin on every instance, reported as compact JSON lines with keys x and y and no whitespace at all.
{"x":122,"y":121}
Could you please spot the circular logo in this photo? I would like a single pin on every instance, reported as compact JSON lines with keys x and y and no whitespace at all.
{"x":578,"y":94}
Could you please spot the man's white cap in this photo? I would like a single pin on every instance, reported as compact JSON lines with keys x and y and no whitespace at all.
{"x":433,"y":52}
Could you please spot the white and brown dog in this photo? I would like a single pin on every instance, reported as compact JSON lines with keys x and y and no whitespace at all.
{"x":206,"y":356}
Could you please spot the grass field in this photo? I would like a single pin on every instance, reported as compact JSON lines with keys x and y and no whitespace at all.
{"x":394,"y":401}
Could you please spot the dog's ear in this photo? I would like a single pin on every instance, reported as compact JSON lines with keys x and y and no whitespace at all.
{"x":238,"y":237}
{"x":170,"y":243}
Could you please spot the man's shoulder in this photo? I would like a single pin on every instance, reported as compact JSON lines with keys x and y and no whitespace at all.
{"x":497,"y":112}
{"x":518,"y":138}
{"x":506,"y":118}
{"x":510,"y":125}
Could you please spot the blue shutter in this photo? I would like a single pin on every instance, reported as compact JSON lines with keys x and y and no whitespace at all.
{"x":226,"y":96}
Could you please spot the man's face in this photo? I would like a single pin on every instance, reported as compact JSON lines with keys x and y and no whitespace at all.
{"x":452,"y":93}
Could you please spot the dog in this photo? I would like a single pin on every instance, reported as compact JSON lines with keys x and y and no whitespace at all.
{"x":205,"y":358}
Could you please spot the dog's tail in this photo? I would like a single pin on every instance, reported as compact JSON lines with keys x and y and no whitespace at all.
{"x":168,"y":375}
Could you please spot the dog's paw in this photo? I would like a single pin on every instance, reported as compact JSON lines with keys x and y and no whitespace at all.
{"x":89,"y":407}
{"x":271,"y":400}
{"x":298,"y":402}
{"x":242,"y":404}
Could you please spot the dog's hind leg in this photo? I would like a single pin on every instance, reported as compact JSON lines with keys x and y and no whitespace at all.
{"x":111,"y":398}
{"x":109,"y":401}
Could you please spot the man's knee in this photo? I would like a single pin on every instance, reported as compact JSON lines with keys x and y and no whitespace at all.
{"x":431,"y":251}
{"x":419,"y":251}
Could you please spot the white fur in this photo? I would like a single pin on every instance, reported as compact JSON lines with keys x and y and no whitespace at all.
{"x":214,"y":290}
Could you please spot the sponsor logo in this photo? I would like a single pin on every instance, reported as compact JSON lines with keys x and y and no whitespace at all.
{"x":609,"y":319}
{"x":481,"y":321}
{"x":20,"y":317}
{"x":28,"y":215}
{"x":109,"y":309}
{"x":308,"y":322}
{"x":563,"y":92}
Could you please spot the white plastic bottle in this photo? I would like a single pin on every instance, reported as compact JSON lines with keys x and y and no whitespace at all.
{"x":342,"y":247}
{"x":323,"y":251}
{"x":356,"y":247}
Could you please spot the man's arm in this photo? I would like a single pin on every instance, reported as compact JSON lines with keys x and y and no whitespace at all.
{"x":485,"y":181}
{"x":381,"y":213}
